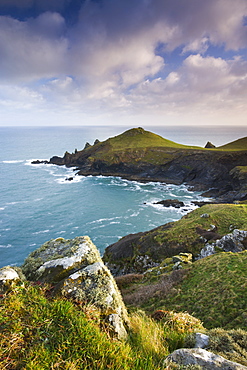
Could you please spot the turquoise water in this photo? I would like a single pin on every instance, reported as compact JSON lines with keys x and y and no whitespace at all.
{"x":37,"y":203}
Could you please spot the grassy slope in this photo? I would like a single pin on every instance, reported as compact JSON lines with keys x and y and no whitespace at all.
{"x":140,"y":138}
{"x":240,"y":144}
{"x":225,"y":216}
{"x":38,"y":332}
{"x":135,"y":145}
{"x":215,"y":291}
{"x":181,"y":236}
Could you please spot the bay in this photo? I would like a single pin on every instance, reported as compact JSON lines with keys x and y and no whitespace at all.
{"x":38,"y":204}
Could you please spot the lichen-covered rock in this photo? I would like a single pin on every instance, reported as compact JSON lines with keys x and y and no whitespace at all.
{"x":201,"y":340}
{"x":182,"y":258}
{"x":234,"y":242}
{"x":59,"y":258}
{"x":94,"y":284}
{"x":203,"y":358}
{"x":77,"y":271}
{"x":9,"y":277}
{"x":206,"y":251}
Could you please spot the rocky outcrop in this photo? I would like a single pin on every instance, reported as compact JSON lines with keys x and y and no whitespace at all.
{"x":203,"y":358}
{"x":209,"y":145}
{"x":234,"y":242}
{"x":76,"y":270}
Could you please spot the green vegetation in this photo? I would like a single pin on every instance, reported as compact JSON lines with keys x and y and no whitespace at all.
{"x":225,"y":217}
{"x":181,"y":236}
{"x":214,"y":290}
{"x":231,"y":344}
{"x":140,"y":138}
{"x":40,"y":332}
{"x":240,"y":144}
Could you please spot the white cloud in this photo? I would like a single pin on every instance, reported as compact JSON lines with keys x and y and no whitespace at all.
{"x":110,"y":60}
{"x":202,"y":85}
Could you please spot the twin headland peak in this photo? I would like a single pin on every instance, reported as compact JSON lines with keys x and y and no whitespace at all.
{"x":141,"y":155}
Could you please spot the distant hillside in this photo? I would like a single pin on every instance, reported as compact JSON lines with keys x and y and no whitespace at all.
{"x":140,"y":138}
{"x":141,"y":155}
{"x":240,"y":144}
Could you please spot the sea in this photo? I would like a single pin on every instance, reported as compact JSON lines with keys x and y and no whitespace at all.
{"x":37,"y":203}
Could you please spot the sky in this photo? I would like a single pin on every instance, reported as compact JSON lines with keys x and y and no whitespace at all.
{"x":123,"y":62}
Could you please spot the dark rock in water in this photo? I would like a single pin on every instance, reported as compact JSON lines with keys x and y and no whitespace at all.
{"x":69,"y":179}
{"x":171,"y":203}
{"x":57,"y":160}
{"x":209,"y":145}
{"x":39,"y":162}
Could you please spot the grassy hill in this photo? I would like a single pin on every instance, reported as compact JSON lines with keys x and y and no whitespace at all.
{"x":240,"y":144}
{"x":213,"y":289}
{"x":140,"y":138}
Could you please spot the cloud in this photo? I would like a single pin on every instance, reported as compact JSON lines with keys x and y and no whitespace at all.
{"x":115,"y":55}
{"x":33,"y":49}
{"x":201,"y":84}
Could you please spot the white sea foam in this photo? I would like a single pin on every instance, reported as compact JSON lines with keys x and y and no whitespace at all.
{"x":6,"y":246}
{"x":41,"y":232}
{"x":103,"y":220}
{"x":13,"y":161}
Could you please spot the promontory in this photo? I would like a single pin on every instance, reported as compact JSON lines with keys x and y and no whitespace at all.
{"x":141,"y":155}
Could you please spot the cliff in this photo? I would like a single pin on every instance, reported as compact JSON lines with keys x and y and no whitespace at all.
{"x":141,"y":155}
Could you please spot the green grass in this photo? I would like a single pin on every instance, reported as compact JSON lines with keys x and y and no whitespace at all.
{"x":136,"y":145}
{"x":213,"y":290}
{"x":38,"y":333}
{"x":140,"y":138}
{"x":225,"y":216}
{"x":240,"y":144}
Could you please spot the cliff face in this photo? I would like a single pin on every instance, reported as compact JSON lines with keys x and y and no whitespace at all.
{"x":143,"y":156}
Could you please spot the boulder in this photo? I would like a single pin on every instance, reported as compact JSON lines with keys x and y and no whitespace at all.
{"x":234,"y":242}
{"x":9,"y":277}
{"x":59,"y":258}
{"x":206,"y":251}
{"x":95,"y":285}
{"x":76,"y":270}
{"x":203,"y":358}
